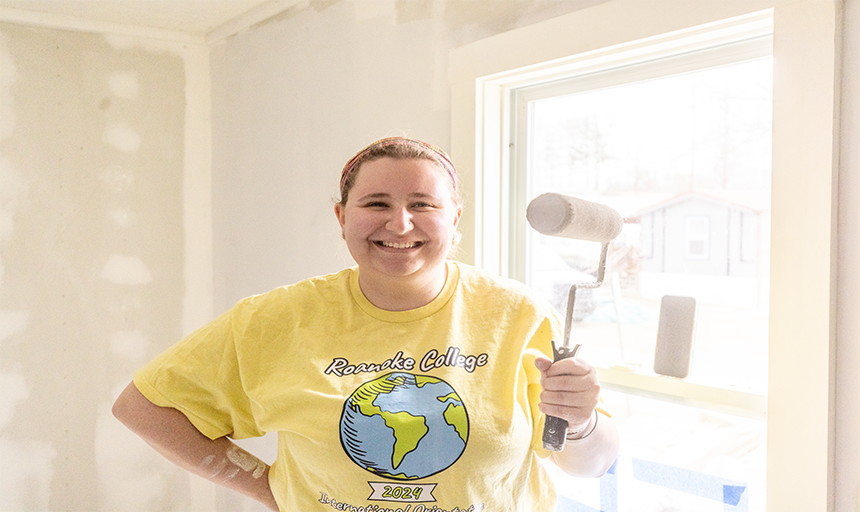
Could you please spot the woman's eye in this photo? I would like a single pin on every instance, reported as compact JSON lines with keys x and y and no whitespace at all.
{"x":376,"y":204}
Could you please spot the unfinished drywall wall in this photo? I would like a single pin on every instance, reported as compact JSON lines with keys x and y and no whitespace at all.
{"x":91,"y":263}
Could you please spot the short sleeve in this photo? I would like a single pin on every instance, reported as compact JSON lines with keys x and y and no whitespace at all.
{"x":540,"y":345}
{"x":200,"y":377}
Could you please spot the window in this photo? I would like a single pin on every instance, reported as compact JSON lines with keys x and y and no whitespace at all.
{"x":684,"y":141}
{"x":697,"y":232}
{"x":609,"y":35}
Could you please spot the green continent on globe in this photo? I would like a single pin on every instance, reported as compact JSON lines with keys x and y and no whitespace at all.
{"x":408,"y":429}
{"x":420,"y":380}
{"x":455,"y":415}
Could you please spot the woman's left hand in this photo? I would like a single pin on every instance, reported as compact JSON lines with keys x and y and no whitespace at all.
{"x":571,"y":392}
{"x":570,"y":389}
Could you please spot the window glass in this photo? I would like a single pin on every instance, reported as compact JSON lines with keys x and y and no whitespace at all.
{"x":686,"y":161}
{"x":675,"y":458}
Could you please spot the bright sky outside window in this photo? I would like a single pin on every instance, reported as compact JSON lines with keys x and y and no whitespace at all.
{"x":688,"y":157}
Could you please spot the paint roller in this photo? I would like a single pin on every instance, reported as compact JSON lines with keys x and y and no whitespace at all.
{"x":570,"y":217}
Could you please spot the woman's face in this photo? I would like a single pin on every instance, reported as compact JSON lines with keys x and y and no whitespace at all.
{"x":400,"y":218}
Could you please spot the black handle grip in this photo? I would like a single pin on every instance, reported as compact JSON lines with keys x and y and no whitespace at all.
{"x":554,"y":432}
{"x":555,"y":429}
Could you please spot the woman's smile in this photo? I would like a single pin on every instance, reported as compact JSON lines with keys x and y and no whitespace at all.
{"x":398,"y":245}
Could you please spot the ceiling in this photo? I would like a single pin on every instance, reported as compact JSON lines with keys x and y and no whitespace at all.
{"x":193,"y":17}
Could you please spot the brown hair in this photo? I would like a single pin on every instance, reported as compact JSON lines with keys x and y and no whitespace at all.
{"x":399,"y":148}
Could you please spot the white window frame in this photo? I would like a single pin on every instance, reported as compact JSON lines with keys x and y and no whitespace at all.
{"x":801,"y":334}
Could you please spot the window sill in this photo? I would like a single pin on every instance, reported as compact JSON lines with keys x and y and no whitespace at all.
{"x":670,"y":389}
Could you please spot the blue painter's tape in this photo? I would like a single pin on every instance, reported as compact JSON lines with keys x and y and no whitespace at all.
{"x":609,"y":490}
{"x":611,"y":470}
{"x":692,"y":482}
{"x":732,"y":494}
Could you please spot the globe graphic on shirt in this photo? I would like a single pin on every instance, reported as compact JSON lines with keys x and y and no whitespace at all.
{"x":403,"y":426}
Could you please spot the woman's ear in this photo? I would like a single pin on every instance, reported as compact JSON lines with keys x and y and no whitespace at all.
{"x":340,"y":214}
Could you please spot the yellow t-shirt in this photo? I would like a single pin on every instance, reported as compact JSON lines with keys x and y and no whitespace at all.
{"x":433,"y":409}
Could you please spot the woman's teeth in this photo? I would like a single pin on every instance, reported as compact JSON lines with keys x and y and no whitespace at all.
{"x":395,"y":245}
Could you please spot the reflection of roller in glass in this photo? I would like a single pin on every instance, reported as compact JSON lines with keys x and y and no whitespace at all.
{"x":570,"y":217}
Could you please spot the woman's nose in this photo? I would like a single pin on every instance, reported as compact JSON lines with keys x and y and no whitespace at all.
{"x":400,"y":221}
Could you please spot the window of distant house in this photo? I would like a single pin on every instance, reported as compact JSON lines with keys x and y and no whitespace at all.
{"x":697,"y":234}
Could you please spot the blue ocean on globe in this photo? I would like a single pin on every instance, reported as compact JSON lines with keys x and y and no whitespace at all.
{"x":404,"y":426}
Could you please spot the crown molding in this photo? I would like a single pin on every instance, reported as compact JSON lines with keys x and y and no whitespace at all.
{"x":67,"y":22}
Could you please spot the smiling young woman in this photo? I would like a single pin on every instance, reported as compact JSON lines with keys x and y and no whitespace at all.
{"x":406,"y":380}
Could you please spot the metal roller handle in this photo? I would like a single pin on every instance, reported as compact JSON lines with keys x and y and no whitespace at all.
{"x":555,"y":429}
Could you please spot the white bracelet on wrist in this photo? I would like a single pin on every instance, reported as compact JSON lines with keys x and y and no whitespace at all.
{"x":571,"y":433}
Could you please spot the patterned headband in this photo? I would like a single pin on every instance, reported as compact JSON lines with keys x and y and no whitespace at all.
{"x":445,"y":160}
